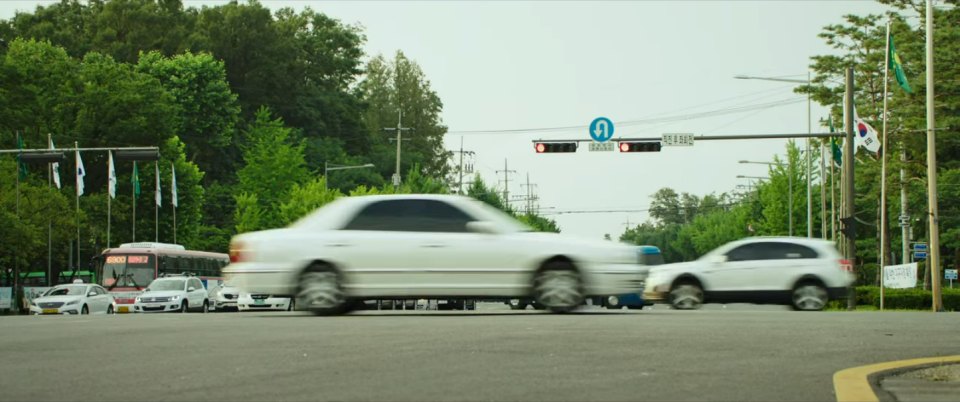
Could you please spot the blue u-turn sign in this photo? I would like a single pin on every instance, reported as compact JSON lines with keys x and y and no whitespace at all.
{"x":601,"y":129}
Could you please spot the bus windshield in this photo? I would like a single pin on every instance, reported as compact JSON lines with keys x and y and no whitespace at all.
{"x":128,"y":270}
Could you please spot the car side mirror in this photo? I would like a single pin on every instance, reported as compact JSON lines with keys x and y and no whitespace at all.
{"x":718,"y":259}
{"x":482,"y":227}
{"x":190,"y":289}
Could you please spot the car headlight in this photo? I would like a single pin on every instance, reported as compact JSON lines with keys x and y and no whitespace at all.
{"x":137,"y":299}
{"x":74,"y":301}
{"x":175,"y":298}
{"x":219,"y":293}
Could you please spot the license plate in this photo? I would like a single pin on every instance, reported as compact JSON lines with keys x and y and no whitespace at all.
{"x":258,"y":302}
{"x":50,"y":311}
{"x":123,"y":309}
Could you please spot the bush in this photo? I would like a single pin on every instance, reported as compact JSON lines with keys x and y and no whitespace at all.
{"x":906,"y":299}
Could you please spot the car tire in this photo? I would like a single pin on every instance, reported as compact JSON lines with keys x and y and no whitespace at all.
{"x":206,"y":307}
{"x":84,"y":310}
{"x":558,"y":287}
{"x":686,"y":295}
{"x":110,"y":309}
{"x":809,"y":296}
{"x":516,"y":304}
{"x":319,"y":291}
{"x":183,"y":307}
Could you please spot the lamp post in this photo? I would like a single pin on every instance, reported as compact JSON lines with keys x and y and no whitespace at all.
{"x":789,"y":191}
{"x":327,"y":167}
{"x":809,"y":162}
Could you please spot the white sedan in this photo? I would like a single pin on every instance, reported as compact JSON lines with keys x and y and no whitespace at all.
{"x":426,"y":247}
{"x":800,"y":272}
{"x":77,"y":298}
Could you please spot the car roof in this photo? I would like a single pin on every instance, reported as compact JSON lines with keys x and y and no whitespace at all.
{"x":807,"y":241}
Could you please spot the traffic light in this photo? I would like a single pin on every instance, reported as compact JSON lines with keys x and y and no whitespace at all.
{"x":546,"y":147}
{"x":848,"y":227}
{"x":650,"y":146}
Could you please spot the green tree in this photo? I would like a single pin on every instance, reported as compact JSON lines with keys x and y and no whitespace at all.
{"x":305,"y":198}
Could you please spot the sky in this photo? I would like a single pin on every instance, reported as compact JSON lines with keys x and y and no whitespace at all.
{"x":551,"y":67}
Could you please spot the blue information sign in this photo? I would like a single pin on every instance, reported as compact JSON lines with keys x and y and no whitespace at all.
{"x":601,"y":129}
{"x":920,"y":247}
{"x":919,"y":255}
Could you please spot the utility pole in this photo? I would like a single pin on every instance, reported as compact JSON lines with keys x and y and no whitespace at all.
{"x":904,"y":215}
{"x":809,"y":169}
{"x":506,"y":182}
{"x":530,"y":195}
{"x":851,"y":248}
{"x":462,"y":152}
{"x":399,"y":129}
{"x":934,"y":216}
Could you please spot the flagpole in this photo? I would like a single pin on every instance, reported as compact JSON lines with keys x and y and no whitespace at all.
{"x":156,"y":205}
{"x":17,"y":299}
{"x":133,"y":192}
{"x":173,"y":198}
{"x":49,"y":223}
{"x":883,"y":168}
{"x":109,"y":189}
{"x":77,"y":146}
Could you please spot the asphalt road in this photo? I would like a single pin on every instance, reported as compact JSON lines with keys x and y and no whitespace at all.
{"x":740,"y":353}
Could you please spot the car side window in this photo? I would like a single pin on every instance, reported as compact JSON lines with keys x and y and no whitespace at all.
{"x":747,"y":252}
{"x":790,"y":251}
{"x":411,"y":216}
{"x":196,"y":284}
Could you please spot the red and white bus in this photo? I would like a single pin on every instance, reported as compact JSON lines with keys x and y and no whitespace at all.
{"x":126,"y":270}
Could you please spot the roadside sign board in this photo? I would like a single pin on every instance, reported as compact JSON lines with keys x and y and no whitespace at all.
{"x":601,"y":129}
{"x":601,"y":147}
{"x":919,"y":247}
{"x":677,"y":140}
{"x":950,"y":274}
{"x":919,"y":255}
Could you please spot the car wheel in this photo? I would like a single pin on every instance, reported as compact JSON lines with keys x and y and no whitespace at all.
{"x":84,"y":310}
{"x":206,"y":307}
{"x":809,"y":296}
{"x":516,"y":304}
{"x":183,"y":307}
{"x":110,"y":309}
{"x":558,"y":288}
{"x":686,"y":295}
{"x":320,"y":291}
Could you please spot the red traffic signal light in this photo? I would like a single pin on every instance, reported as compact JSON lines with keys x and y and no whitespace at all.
{"x":653,"y":146}
{"x":547,"y":147}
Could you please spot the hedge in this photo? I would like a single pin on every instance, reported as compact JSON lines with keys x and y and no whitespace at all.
{"x":907,"y":299}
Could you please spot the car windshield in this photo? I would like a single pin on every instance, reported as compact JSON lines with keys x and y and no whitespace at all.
{"x":67,"y":291}
{"x":176,"y":284}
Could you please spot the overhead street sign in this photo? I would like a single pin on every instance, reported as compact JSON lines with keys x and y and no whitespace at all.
{"x":601,"y":129}
{"x":601,"y":147}
{"x":677,"y":140}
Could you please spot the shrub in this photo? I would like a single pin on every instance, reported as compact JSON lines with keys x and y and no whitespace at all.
{"x":906,"y":299}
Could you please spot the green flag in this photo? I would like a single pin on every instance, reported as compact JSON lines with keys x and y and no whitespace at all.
{"x":135,"y":180}
{"x":835,"y":146}
{"x":897,"y":68}
{"x":21,"y":167}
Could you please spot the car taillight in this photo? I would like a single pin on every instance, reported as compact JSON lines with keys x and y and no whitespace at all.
{"x":236,"y":253}
{"x":845,"y":265}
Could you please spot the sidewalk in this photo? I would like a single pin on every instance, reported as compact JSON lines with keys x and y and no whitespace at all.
{"x":936,"y":383}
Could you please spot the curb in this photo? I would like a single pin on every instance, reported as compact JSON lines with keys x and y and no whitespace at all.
{"x":861,"y":384}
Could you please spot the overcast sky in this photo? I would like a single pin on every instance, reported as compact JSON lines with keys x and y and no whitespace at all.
{"x":530,"y":65}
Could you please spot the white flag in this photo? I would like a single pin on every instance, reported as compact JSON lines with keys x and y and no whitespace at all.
{"x":80,"y":173}
{"x":156,"y":169}
{"x":111,"y":176}
{"x":866,"y":135}
{"x":56,"y":167}
{"x":173,"y":185}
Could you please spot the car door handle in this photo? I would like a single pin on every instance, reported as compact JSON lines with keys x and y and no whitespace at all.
{"x":338,"y":245}
{"x":433,"y":245}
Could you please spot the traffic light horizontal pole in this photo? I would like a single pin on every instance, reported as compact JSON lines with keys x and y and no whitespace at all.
{"x":41,"y":150}
{"x":714,"y":137}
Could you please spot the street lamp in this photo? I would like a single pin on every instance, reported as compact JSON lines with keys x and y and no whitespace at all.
{"x":327,"y":167}
{"x":789,"y":190}
{"x":809,"y":162}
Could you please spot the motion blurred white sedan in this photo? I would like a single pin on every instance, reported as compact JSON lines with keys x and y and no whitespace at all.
{"x":77,"y":298}
{"x":426,"y":247}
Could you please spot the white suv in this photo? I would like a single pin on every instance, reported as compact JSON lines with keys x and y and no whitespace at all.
{"x":804,"y":273}
{"x":173,"y":293}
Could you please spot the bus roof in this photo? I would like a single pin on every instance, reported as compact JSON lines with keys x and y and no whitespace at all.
{"x":158,"y":246}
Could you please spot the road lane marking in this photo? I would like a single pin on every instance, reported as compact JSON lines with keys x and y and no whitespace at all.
{"x":855,"y":385}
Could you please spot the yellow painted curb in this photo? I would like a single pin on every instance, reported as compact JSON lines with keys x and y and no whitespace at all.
{"x":853,"y":384}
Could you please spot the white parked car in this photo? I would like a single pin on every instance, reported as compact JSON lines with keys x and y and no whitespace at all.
{"x":76,"y":298}
{"x":800,"y":272}
{"x":430,"y":247}
{"x":226,"y":297}
{"x":248,"y":302}
{"x":173,"y":293}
